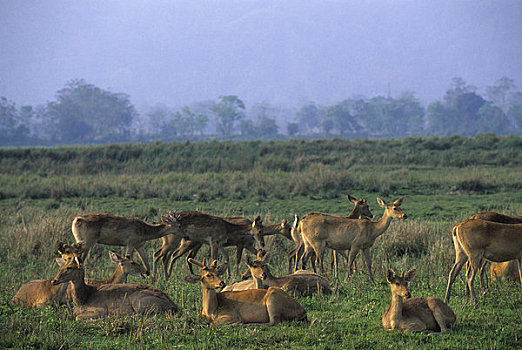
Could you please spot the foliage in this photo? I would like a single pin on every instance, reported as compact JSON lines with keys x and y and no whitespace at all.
{"x":228,"y":112}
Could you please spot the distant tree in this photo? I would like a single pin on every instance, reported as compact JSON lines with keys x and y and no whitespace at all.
{"x":458,"y":87}
{"x":500,"y":92}
{"x":308,"y":117}
{"x":468,"y":106}
{"x":492,"y":120}
{"x":246,"y":127}
{"x":9,"y":119}
{"x":159,"y":117}
{"x":83,"y":112}
{"x":338,"y":117}
{"x":442,"y":120}
{"x":228,"y":111}
{"x":292,"y":129}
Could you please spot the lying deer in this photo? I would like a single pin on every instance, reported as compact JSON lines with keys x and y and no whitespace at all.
{"x":340,"y":233}
{"x":475,"y":240}
{"x":129,"y":232}
{"x":38,"y":293}
{"x":298,"y":284}
{"x":507,"y":270}
{"x":256,"y":306}
{"x":93,"y":302}
{"x":360,"y":210}
{"x":414,"y":314}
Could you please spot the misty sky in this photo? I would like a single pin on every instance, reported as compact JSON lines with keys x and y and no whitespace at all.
{"x":285,"y":52}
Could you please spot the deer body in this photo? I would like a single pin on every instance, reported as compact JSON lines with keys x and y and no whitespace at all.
{"x":110,"y":229}
{"x":302,"y":283}
{"x":256,"y":306}
{"x":93,"y":302}
{"x":38,"y":293}
{"x":340,"y":233}
{"x":360,"y":210}
{"x":414,"y":314}
{"x":476,"y":240}
{"x":174,"y":247}
{"x":507,"y":270}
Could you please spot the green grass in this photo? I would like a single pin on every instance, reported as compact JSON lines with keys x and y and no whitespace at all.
{"x":39,"y":199}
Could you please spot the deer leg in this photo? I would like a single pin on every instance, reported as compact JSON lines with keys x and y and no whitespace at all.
{"x":351,"y":258}
{"x":145,"y":261}
{"x":519,"y":263}
{"x":368,"y":259}
{"x":481,"y":276}
{"x":239,"y":254}
{"x":475,"y":266}
{"x":460,"y":260}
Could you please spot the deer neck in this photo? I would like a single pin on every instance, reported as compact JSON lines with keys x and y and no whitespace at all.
{"x":118,"y":276}
{"x":395,"y":310}
{"x":258,"y":283}
{"x":354,"y":214}
{"x":157,"y":230}
{"x":210,"y":302}
{"x":381,"y":225}
{"x":80,"y":291}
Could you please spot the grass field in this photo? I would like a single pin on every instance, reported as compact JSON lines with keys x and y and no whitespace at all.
{"x":39,"y":199}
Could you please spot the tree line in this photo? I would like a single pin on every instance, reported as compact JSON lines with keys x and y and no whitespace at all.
{"x":85,"y":113}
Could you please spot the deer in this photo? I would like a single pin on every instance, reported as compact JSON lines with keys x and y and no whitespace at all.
{"x":297,"y":284}
{"x":460,"y":254}
{"x":360,"y":210}
{"x":260,"y":231}
{"x":340,"y":233}
{"x":256,"y":306}
{"x":93,"y":302}
{"x":38,"y":293}
{"x":117,"y":230}
{"x":507,"y":270}
{"x":173,"y":247}
{"x":414,"y":314}
{"x":477,"y":239}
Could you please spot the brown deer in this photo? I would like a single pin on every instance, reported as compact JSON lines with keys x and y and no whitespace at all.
{"x":507,"y":270}
{"x":94,"y":302}
{"x":173,"y":247}
{"x":360,"y":210}
{"x":297,"y":284}
{"x":475,"y":240}
{"x":340,"y":233}
{"x":460,"y":254}
{"x":117,"y":230}
{"x":256,"y":306}
{"x":414,"y":314}
{"x":260,"y":231}
{"x":38,"y":293}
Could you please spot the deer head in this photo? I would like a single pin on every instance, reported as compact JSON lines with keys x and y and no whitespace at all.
{"x":209,"y":275}
{"x":259,"y":267}
{"x":399,"y":284}
{"x":393,"y":210}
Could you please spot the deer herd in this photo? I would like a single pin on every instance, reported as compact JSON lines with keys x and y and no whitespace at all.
{"x":261,"y":297}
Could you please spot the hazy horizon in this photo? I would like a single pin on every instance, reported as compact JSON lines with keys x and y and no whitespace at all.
{"x":181,"y":52}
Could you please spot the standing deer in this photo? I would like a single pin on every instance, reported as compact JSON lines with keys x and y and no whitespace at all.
{"x":414,"y":314}
{"x":475,"y":240}
{"x":93,"y":302}
{"x":297,"y":284}
{"x":460,"y":254}
{"x":38,"y":293}
{"x":256,"y":306}
{"x":340,"y":233}
{"x":173,"y":246}
{"x":129,"y":232}
{"x":360,"y":210}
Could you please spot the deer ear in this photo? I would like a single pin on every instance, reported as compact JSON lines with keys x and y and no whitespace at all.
{"x":60,"y":246}
{"x":192,"y":279}
{"x":283,"y":223}
{"x":115,"y":257}
{"x":246,"y":275}
{"x":382,"y":203}
{"x":351,"y":199}
{"x":398,"y":202}
{"x":409,"y":275}
{"x":60,"y":261}
{"x":221,"y":269}
{"x":266,"y":258}
{"x":249,"y":260}
{"x":390,"y":275}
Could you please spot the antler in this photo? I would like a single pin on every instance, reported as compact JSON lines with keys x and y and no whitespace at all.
{"x":192,"y":261}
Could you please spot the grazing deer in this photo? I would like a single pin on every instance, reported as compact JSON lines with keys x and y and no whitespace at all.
{"x":340,"y":233}
{"x":255,"y":306}
{"x":303,"y":283}
{"x":475,"y":240}
{"x":129,"y":232}
{"x":507,"y":270}
{"x":414,"y":314}
{"x":38,"y":293}
{"x":173,"y":247}
{"x":360,"y":210}
{"x":93,"y":302}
